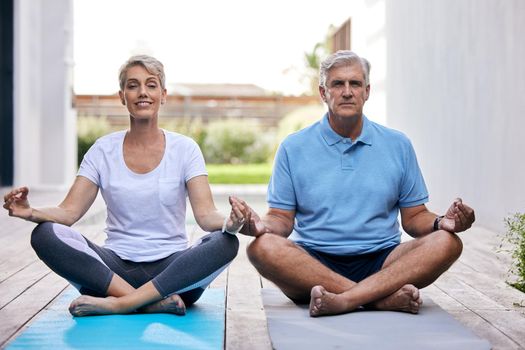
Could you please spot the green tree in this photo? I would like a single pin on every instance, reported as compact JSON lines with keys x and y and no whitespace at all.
{"x":313,"y":58}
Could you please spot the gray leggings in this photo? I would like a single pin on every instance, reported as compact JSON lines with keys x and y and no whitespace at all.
{"x":90,"y":267}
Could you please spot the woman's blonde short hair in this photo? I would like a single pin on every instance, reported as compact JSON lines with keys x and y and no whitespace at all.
{"x":151,"y":64}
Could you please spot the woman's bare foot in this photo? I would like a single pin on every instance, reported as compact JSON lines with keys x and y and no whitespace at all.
{"x":323,"y":302}
{"x":172,"y":304}
{"x":86,"y":305}
{"x":406,"y":299}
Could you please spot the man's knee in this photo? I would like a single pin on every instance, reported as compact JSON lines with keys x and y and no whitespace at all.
{"x":265,"y":249}
{"x":450,"y":244}
{"x":256,"y":249}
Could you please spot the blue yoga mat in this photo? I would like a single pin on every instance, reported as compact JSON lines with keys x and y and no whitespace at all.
{"x":201,"y":328}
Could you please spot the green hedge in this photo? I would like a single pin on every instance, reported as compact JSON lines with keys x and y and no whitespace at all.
{"x":89,"y":129}
{"x":237,"y":141}
{"x":239,"y":173}
{"x":224,"y":141}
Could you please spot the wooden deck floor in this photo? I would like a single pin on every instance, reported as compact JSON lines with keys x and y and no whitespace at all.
{"x":473,"y":290}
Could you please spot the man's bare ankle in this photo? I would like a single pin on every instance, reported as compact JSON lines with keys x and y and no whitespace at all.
{"x":406,"y":299}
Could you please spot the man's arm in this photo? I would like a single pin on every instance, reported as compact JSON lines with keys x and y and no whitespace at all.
{"x":419,"y":221}
{"x":279,"y":221}
{"x":276,"y":221}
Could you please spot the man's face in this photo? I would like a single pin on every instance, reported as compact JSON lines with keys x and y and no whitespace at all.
{"x":346,"y":91}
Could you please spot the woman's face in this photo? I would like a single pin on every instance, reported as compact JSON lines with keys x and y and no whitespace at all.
{"x":142,"y":93}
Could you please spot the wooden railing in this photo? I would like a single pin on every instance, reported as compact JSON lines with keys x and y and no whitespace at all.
{"x":267,"y":110}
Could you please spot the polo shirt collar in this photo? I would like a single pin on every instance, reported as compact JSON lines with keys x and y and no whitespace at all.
{"x":331,"y":137}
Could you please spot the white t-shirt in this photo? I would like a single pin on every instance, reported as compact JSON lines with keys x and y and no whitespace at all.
{"x":146,"y":213}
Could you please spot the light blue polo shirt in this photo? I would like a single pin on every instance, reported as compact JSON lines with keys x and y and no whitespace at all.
{"x":346,"y":194}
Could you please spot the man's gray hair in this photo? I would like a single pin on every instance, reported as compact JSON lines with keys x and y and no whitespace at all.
{"x":341,"y":58}
{"x":151,"y":64}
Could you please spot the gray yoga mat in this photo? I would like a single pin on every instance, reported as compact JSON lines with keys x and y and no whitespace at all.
{"x":291,"y":327}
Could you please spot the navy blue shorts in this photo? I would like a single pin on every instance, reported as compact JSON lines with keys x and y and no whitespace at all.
{"x":354,"y":267}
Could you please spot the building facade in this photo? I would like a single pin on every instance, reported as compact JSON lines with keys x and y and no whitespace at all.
{"x":40,"y":123}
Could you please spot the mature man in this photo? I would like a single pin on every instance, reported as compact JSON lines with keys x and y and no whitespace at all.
{"x":331,"y":235}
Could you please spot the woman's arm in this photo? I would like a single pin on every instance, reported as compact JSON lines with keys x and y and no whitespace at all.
{"x":80,"y":197}
{"x":204,"y":210}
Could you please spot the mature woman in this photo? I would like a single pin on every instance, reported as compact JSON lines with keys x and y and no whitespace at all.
{"x":144,"y":175}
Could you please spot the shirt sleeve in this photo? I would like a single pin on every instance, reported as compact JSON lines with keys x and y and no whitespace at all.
{"x":88,"y":167}
{"x":413,"y":189}
{"x":195,"y":164}
{"x":281,"y":193}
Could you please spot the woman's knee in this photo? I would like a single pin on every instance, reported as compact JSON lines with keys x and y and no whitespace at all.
{"x":226,"y":243}
{"x":232,"y":246}
{"x":41,"y":234}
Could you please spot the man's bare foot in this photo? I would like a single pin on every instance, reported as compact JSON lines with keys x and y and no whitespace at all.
{"x":406,"y":299}
{"x":86,"y":305}
{"x":172,"y":304}
{"x":322,"y":302}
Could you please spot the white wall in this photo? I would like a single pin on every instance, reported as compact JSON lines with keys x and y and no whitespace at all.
{"x":369,"y":41}
{"x":455,"y":84}
{"x":45,"y":122}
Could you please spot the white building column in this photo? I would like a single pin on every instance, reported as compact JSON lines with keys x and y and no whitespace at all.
{"x":44,"y":118}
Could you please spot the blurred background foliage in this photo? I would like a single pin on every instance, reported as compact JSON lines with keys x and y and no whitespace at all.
{"x":236,"y":150}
